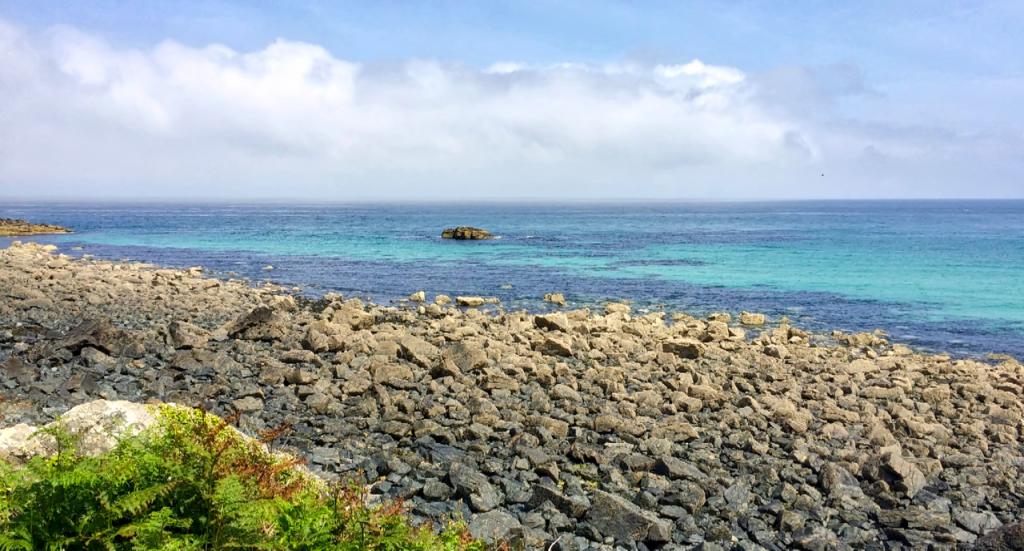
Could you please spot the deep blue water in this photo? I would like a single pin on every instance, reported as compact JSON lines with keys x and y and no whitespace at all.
{"x":941,"y":275}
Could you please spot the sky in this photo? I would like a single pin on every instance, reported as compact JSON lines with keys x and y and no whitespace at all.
{"x":531,"y":99}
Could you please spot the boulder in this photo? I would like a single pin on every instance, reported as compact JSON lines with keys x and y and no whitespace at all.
{"x":101,"y":335}
{"x":98,"y":425}
{"x":259,"y":324}
{"x":1006,"y":538}
{"x":417,"y":351}
{"x":470,"y":302}
{"x":555,"y":298}
{"x":684,"y":348}
{"x":888,"y":465}
{"x":418,"y":296}
{"x":495,"y":527}
{"x":554,"y":322}
{"x":616,"y":308}
{"x":465,"y":233}
{"x":624,"y":521}
{"x":473,"y":486}
{"x":187,"y":335}
{"x":752,"y":318}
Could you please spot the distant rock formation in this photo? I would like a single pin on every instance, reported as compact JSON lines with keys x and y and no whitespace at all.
{"x":10,"y":226}
{"x":466,"y":233}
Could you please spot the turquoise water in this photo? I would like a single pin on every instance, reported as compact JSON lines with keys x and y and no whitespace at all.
{"x":945,"y":275}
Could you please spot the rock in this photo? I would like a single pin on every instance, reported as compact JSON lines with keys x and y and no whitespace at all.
{"x":466,"y":357}
{"x":472,"y":485}
{"x":418,"y":296}
{"x":417,"y":351}
{"x":624,"y":521}
{"x":555,"y":298}
{"x":1006,"y":538}
{"x":259,"y":324}
{"x":13,"y":227}
{"x":716,"y":331}
{"x":889,"y":466}
{"x":573,"y":506}
{"x":978,"y":523}
{"x":777,"y":351}
{"x":470,"y":302}
{"x":97,"y":424}
{"x":616,"y":308}
{"x":752,"y":318}
{"x":684,"y":348}
{"x":465,"y":233}
{"x":353,"y":316}
{"x":249,"y":404}
{"x":554,"y":322}
{"x":187,"y":335}
{"x":101,"y":335}
{"x":495,"y":527}
{"x":393,"y":374}
{"x":555,"y":346}
{"x":435,"y":489}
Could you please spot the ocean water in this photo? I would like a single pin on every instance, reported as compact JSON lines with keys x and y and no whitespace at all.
{"x":938,"y":275}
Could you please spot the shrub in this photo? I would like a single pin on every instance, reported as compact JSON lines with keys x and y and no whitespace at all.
{"x":193,"y":482}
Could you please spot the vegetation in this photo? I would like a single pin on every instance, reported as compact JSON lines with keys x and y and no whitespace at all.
{"x":193,"y":482}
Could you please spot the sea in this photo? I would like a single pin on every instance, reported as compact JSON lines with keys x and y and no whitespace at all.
{"x":942,"y":276}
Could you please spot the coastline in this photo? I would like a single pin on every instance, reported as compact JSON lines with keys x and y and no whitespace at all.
{"x":561,"y":423}
{"x":10,"y":227}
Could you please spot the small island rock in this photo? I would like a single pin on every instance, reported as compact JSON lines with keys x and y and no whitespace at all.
{"x":466,"y":233}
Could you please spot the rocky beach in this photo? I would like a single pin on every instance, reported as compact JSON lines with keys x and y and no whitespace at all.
{"x":586,"y":429}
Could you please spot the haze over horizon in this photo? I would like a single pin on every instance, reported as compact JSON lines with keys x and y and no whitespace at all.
{"x":510,"y":100}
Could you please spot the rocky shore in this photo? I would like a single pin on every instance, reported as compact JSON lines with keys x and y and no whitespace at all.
{"x":13,"y":227}
{"x":592,"y":429}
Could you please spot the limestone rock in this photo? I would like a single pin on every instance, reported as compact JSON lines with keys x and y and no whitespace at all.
{"x":752,"y":318}
{"x":555,"y":298}
{"x":684,"y":348}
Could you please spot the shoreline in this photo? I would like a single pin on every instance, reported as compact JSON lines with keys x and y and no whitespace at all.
{"x":10,"y":227}
{"x":562,"y":423}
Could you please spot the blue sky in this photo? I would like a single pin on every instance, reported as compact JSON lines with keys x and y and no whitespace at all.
{"x":529,"y":98}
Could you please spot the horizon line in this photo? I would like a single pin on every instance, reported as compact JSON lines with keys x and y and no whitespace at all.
{"x":477,"y":200}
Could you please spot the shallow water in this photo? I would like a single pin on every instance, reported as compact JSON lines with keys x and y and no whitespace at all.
{"x":943,"y":275}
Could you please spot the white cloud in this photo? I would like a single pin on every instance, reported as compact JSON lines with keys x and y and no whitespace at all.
{"x":82,"y":116}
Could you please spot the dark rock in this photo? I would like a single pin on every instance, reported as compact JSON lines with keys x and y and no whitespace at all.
{"x":1006,"y":538}
{"x":573,"y":506}
{"x":888,"y":465}
{"x":474,"y":486}
{"x":101,"y":335}
{"x":496,"y":526}
{"x":465,"y":233}
{"x":260,"y":324}
{"x":624,"y":521}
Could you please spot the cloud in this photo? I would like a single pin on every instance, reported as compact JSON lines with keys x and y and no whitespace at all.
{"x":81,"y":116}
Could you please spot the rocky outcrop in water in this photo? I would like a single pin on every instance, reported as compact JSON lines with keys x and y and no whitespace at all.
{"x":593,"y":428}
{"x":466,"y":233}
{"x":13,"y":227}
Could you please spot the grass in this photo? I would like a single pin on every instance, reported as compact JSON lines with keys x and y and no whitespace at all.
{"x":192,"y":482}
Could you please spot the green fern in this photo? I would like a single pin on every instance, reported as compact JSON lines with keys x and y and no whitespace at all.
{"x":193,"y":483}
